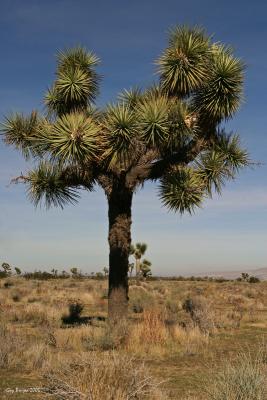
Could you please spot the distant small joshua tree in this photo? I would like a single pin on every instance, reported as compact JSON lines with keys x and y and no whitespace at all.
{"x":7,"y":268}
{"x":145,"y":268}
{"x":245,"y":276}
{"x":17,"y":270}
{"x":74,"y":271}
{"x":105,"y":270}
{"x":138,"y":251}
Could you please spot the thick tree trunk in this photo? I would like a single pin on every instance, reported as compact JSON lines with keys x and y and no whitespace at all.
{"x":120,"y":204}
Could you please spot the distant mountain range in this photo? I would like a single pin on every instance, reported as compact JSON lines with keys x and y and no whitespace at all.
{"x":260,"y":273}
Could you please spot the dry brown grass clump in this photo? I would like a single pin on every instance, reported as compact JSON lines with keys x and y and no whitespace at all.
{"x":102,"y":376}
{"x":242,"y":379}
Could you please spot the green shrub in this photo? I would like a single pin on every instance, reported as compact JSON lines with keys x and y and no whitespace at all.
{"x":74,"y":316}
{"x":253,"y":279}
{"x":8,"y":284}
{"x":16,"y":297}
{"x":140,"y":299}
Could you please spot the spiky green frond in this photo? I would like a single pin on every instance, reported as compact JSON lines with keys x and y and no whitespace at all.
{"x":183,"y":66}
{"x":131,"y":97}
{"x":153,"y":92}
{"x":153,"y":121}
{"x":54,"y":103}
{"x":22,"y":132}
{"x":146,"y":263}
{"x":220,"y":97}
{"x":182,"y":190}
{"x":46,"y":184}
{"x":222,"y":162}
{"x":132,"y":249}
{"x":77,"y":57}
{"x":213,"y":170}
{"x":182,"y":125}
{"x":120,"y":130}
{"x":72,"y":138}
{"x":72,"y":91}
{"x":141,"y":247}
{"x":74,"y":85}
{"x":230,"y":147}
{"x":77,"y":83}
{"x":80,"y":59}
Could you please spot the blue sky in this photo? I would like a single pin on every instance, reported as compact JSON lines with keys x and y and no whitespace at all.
{"x":229,"y":233}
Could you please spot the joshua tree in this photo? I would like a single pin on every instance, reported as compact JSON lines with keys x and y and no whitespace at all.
{"x":54,"y":272}
{"x":245,"y":276}
{"x":17,"y":270}
{"x":74,"y":271}
{"x":145,"y":268}
{"x":138,"y":251}
{"x":171,"y":133}
{"x":7,"y":268}
{"x":105,"y":270}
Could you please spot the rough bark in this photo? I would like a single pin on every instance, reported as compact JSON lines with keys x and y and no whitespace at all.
{"x":120,"y":203}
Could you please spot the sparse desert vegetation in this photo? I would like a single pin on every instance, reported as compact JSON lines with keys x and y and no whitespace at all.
{"x":184,"y":339}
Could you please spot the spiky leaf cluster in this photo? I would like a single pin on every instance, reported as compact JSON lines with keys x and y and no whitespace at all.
{"x":220,"y":97}
{"x":76,"y":85}
{"x":121,"y":130}
{"x":153,"y":121}
{"x":183,"y":65}
{"x":182,"y":190}
{"x":72,"y":138}
{"x":46,"y":183}
{"x":169,"y":132}
{"x":20,"y":131}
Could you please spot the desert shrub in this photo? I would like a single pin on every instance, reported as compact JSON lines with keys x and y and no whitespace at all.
{"x":8,"y":284}
{"x":137,"y":306}
{"x":99,"y":376}
{"x":40,"y":275}
{"x":33,"y":299}
{"x":44,"y":275}
{"x":140,"y":299}
{"x":244,"y":379}
{"x":16,"y":297}
{"x":110,"y":337}
{"x":253,"y":279}
{"x":11,"y":346}
{"x":35,"y":356}
{"x":75,"y":310}
{"x":200,"y":312}
{"x":173,"y":308}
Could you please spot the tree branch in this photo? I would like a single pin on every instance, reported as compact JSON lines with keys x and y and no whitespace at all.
{"x":152,"y":167}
